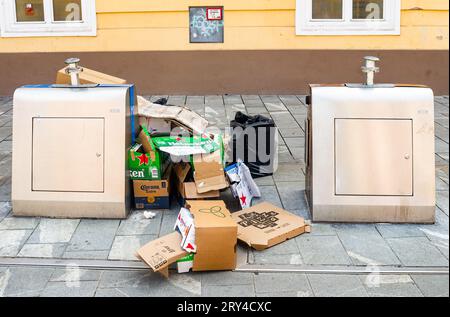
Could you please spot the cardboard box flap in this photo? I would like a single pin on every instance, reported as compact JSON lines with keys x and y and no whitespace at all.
{"x":210,"y":213}
{"x":190,"y":192}
{"x":209,"y":174}
{"x":145,"y":139}
{"x":181,"y":171}
{"x":265,"y":225}
{"x":210,"y":184}
{"x":160,"y":253}
{"x":184,"y":116}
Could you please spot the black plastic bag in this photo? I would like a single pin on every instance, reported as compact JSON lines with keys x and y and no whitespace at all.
{"x":254,"y":143}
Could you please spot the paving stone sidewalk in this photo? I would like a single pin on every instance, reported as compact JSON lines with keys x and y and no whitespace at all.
{"x":338,"y":245}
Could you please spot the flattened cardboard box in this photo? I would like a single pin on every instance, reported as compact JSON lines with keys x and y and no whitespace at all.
{"x":265,"y":225}
{"x":160,"y":253}
{"x":215,"y":236}
{"x":181,"y":116}
{"x":88,"y":76}
{"x":209,"y":174}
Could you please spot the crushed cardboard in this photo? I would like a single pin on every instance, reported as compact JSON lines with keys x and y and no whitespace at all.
{"x":181,"y":116}
{"x":88,"y":76}
{"x":160,"y":253}
{"x":265,"y":225}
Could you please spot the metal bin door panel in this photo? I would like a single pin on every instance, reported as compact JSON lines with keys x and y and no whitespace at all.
{"x":374,"y":157}
{"x":68,"y":154}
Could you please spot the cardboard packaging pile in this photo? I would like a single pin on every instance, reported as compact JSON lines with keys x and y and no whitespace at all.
{"x":191,"y":166}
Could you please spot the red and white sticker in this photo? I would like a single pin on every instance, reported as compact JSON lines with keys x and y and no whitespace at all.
{"x":214,"y":14}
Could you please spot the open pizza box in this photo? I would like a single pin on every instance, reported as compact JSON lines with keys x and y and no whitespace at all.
{"x":265,"y":225}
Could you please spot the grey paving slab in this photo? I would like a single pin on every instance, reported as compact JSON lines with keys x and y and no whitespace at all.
{"x":441,"y":185}
{"x":264,"y":181}
{"x":195,"y":100}
{"x":288,"y":173}
{"x":11,"y":241}
{"x":292,"y":195}
{"x":122,"y":292}
{"x":251,"y":97}
{"x":391,"y":286}
{"x":298,"y":153}
{"x":69,"y":289}
{"x":275,"y":106}
{"x":73,"y":273}
{"x":291,"y":132}
{"x":323,"y":250}
{"x":442,"y":201}
{"x":270,"y":98}
{"x":257,"y":110}
{"x":288,"y":282}
{"x":284,"y":155}
{"x":137,"y":224}
{"x":54,"y":231}
{"x":432,"y":285}
{"x":125,"y":247}
{"x":214,"y":100}
{"x":284,"y":119}
{"x":177,"y":100}
{"x":438,"y":233}
{"x":17,"y":223}
{"x":5,"y":132}
{"x":399,"y":230}
{"x":365,"y":246}
{"x":168,"y":222}
{"x":325,"y":285}
{"x":5,"y":209}
{"x":119,"y":279}
{"x":24,"y":281}
{"x":276,"y":259}
{"x":232,"y":99}
{"x":54,"y":250}
{"x":228,"y":291}
{"x":442,"y":122}
{"x":441,"y":146}
{"x":322,"y":229}
{"x":87,"y":255}
{"x":294,"y":142}
{"x":441,"y":133}
{"x":290,"y":100}
{"x":417,"y":252}
{"x":226,"y":278}
{"x":268,"y":194}
{"x":93,"y":235}
{"x":6,"y":146}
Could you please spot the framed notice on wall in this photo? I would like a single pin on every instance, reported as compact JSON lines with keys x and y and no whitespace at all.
{"x":206,"y":25}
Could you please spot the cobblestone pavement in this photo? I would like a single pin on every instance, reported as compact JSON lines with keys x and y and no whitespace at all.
{"x":335,"y":246}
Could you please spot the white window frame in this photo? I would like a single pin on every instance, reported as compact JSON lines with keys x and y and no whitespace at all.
{"x":389,"y":25}
{"x":9,"y":27}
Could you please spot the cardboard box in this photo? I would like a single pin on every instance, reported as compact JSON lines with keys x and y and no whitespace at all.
{"x":88,"y":76}
{"x":145,"y":162}
{"x":265,"y":225}
{"x":187,"y":190}
{"x":215,"y":237}
{"x":208,"y":172}
{"x":153,"y":194}
{"x":156,"y":126}
{"x":180,"y":116}
{"x":160,"y":253}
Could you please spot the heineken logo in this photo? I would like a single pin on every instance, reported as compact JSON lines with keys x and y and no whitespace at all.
{"x":137,"y":174}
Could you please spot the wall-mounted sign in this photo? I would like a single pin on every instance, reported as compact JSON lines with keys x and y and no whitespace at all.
{"x":214,"y":14}
{"x":206,"y":24}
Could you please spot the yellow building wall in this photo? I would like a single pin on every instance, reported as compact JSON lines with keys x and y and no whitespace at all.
{"x":154,"y":25}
